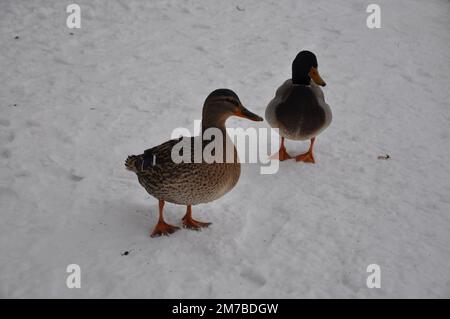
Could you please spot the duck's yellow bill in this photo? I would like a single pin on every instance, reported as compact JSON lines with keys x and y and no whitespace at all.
{"x":315,"y":76}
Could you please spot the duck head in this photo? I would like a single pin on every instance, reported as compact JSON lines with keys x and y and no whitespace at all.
{"x":220,"y":105}
{"x":304,"y":68}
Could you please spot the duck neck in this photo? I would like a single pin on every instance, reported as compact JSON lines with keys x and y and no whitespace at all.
{"x":301,"y":80}
{"x":214,"y":121}
{"x":219,"y":123}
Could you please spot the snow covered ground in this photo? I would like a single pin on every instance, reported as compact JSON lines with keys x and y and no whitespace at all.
{"x":74,"y":106}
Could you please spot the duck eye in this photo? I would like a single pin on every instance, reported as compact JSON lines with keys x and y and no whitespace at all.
{"x":232,"y":101}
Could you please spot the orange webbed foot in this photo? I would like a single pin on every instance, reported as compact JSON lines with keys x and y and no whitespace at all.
{"x":163,"y":229}
{"x":307,"y":157}
{"x":281,"y":155}
{"x":193,"y":224}
{"x":190,"y":223}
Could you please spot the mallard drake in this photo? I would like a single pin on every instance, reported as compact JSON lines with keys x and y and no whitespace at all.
{"x":298,"y":109}
{"x":195,"y":182}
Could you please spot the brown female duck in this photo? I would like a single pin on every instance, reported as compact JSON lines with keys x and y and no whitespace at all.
{"x":299,"y":110}
{"x":191,"y":183}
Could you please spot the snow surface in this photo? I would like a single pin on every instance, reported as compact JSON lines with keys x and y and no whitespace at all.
{"x":74,"y":106}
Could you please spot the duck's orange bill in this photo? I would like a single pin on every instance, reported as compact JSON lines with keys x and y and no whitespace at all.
{"x":314,"y":74}
{"x":243,"y":112}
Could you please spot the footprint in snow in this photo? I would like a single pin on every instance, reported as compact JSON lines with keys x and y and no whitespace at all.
{"x":31,"y":123}
{"x":5,"y":153}
{"x":7,"y":136}
{"x":253,"y":277}
{"x":76,"y":178}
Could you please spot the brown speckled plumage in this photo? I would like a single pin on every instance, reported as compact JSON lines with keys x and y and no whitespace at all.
{"x":183,"y":183}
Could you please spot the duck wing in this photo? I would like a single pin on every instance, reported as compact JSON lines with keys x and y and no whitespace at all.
{"x":159,"y":155}
{"x":153,"y":158}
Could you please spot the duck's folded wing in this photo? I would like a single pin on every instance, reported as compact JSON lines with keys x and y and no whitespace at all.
{"x":158,"y":155}
{"x":283,"y":91}
{"x":281,"y":95}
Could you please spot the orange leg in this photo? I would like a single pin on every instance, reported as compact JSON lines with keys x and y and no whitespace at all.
{"x":162,"y":228}
{"x":307,"y":157}
{"x":282,"y":154}
{"x":189,"y":222}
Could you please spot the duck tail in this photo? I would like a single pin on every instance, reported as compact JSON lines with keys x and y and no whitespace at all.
{"x":134,"y":163}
